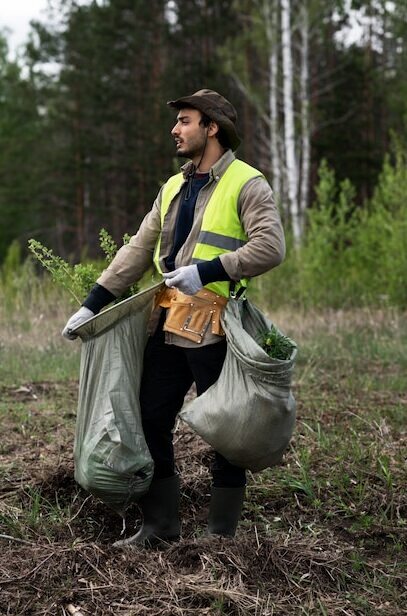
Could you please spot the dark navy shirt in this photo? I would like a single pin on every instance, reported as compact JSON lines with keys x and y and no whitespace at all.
{"x":185,"y":216}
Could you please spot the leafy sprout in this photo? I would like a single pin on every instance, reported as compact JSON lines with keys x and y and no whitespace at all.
{"x":107,"y":244}
{"x":276,"y":344}
{"x":78,"y":279}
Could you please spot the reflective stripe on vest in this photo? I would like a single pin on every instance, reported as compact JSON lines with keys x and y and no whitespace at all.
{"x":221,"y":230}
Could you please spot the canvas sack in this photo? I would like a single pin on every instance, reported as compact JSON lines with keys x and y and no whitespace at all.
{"x":248,"y":415}
{"x":112,"y":460}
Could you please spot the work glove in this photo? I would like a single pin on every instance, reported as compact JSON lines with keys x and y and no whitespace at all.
{"x":185,"y":279}
{"x":76,"y":319}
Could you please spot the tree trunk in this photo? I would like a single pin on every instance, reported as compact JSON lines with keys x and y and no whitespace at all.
{"x":291,"y":167}
{"x":305,"y":120}
{"x":271,"y":17}
{"x":80,"y":193}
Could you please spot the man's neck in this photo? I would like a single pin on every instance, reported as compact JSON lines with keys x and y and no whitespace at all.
{"x":210,"y":158}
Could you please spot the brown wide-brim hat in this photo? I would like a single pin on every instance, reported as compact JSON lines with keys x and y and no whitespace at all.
{"x":216,"y":107}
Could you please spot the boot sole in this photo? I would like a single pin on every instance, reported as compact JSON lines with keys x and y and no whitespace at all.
{"x":145,"y":543}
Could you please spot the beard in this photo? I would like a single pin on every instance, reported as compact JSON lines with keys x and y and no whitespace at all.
{"x":184,"y":154}
{"x":194,"y":149}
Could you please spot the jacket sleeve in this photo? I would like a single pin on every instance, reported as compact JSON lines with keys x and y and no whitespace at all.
{"x":261,"y":221}
{"x":133,"y":259}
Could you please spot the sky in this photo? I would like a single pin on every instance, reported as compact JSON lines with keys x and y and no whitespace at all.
{"x":16,"y":15}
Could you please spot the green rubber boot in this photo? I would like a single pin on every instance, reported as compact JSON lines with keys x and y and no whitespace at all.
{"x":160,"y":508}
{"x":225,"y":510}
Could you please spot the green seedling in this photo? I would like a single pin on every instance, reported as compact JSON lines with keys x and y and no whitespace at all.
{"x":276,"y":345}
{"x":78,"y":279}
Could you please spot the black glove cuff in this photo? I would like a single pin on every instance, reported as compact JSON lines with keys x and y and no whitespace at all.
{"x":212,"y":271}
{"x":98,"y":298}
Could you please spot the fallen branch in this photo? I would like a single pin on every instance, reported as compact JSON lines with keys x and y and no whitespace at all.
{"x":11,"y":538}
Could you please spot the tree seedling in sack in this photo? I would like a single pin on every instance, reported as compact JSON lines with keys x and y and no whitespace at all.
{"x":276,"y":345}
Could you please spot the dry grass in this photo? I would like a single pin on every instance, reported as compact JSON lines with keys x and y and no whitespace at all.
{"x":322,"y":534}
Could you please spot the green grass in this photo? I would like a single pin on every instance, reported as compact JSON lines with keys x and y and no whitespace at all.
{"x":19,"y":365}
{"x":32,"y":315}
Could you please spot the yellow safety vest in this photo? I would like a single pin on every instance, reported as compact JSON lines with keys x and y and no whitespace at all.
{"x":221,"y":229}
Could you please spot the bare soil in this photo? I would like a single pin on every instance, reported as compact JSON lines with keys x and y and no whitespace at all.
{"x":293,"y":554}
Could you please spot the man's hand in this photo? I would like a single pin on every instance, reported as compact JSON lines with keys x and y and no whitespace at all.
{"x":76,"y":319}
{"x":185,"y":278}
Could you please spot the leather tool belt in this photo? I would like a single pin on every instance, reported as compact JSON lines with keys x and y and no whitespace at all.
{"x":191,"y":316}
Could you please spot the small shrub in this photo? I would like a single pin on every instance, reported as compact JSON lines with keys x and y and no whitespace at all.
{"x":77,"y":279}
{"x":351,"y":255}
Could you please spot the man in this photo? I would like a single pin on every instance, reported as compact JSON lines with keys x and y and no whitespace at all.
{"x":211,"y":228}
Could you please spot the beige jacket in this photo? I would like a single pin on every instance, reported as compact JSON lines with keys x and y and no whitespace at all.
{"x":260,"y":218}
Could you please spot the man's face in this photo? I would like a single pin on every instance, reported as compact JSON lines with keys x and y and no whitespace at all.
{"x":189,"y":134}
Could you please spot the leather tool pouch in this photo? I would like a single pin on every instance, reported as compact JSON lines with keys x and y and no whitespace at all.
{"x":191,"y":316}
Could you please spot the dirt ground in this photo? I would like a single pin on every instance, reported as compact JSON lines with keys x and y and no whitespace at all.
{"x":294,"y":552}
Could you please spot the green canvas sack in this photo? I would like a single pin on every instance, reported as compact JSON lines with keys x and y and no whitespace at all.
{"x":112,"y":460}
{"x":248,"y":415}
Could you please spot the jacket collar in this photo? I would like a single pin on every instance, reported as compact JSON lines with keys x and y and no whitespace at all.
{"x":217,"y":170}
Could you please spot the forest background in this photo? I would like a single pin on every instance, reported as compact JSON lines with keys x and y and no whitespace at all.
{"x":85,"y":143}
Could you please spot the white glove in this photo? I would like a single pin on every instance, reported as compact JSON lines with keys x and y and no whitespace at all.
{"x":185,"y":278}
{"x":76,"y":319}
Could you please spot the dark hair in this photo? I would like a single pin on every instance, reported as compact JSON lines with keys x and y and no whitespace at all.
{"x":220,"y":135}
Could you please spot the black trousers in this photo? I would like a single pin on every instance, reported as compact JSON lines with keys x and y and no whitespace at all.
{"x":168,"y":373}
